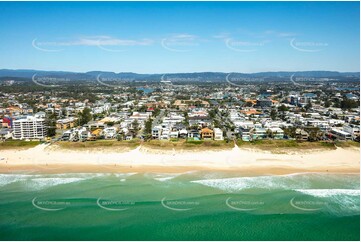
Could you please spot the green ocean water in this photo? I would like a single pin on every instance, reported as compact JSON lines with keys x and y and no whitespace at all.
{"x":188,"y":206}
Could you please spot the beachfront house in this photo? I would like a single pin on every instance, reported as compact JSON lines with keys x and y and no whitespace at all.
{"x":110,"y":133}
{"x":165,"y":134}
{"x":339,"y":134}
{"x":84,"y":135}
{"x":5,"y":133}
{"x":258,"y":133}
{"x":183,"y":133}
{"x":245,"y":134}
{"x":67,"y":135}
{"x":207,"y":134}
{"x":96,"y":133}
{"x":301,"y":134}
{"x":129,"y":135}
{"x":277,"y":133}
{"x":194,"y":134}
{"x":174,"y":134}
{"x":352,"y":129}
{"x":218,"y":134}
{"x":156,"y":132}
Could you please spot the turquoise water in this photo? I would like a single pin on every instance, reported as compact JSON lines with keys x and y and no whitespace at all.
{"x":188,"y":206}
{"x":145,"y":89}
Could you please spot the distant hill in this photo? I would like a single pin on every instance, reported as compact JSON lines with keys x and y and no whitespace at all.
{"x":201,"y":76}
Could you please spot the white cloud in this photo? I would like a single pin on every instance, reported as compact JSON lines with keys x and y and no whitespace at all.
{"x":101,"y":40}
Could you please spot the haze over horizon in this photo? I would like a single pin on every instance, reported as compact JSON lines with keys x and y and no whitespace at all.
{"x":145,"y":38}
{"x":155,"y":73}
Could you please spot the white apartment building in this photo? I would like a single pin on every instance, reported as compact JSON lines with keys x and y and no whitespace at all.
{"x":29,"y":128}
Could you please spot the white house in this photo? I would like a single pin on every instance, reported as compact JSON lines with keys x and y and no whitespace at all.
{"x":110,"y":132}
{"x":218,"y":134}
{"x":156,"y":132}
{"x":354,"y":130}
{"x":277,"y":133}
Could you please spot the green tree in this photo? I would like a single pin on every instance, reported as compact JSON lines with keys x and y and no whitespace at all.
{"x":282,"y":108}
{"x":156,"y":112}
{"x":50,"y":122}
{"x":327,"y":103}
{"x":148,"y":129}
{"x":135,"y":125}
{"x":314,"y":133}
{"x":85,"y":116}
{"x":291,"y":132}
{"x":308,"y":105}
{"x":348,"y":104}
{"x":273,"y":114}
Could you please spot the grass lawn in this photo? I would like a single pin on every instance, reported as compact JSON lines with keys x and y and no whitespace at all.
{"x":346,"y":144}
{"x":186,"y":144}
{"x":98,"y":144}
{"x":15,"y":144}
{"x":285,"y":144}
{"x":190,"y":144}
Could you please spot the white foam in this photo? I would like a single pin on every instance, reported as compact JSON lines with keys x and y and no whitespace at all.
{"x":340,"y":202}
{"x":164,"y":178}
{"x":329,"y":192}
{"x":6,"y":179}
{"x":77,"y":175}
{"x":41,"y":183}
{"x":122,"y":175}
{"x":265,"y":182}
{"x":290,"y":181}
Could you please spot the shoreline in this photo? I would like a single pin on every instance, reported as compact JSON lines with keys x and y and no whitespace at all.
{"x":250,"y":171}
{"x":50,"y":159}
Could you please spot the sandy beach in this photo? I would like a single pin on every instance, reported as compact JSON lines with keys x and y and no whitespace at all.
{"x":50,"y":159}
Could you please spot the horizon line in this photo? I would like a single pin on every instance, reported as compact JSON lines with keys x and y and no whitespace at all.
{"x":193,"y":72}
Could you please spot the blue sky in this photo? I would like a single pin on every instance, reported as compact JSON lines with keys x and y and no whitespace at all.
{"x":168,"y":37}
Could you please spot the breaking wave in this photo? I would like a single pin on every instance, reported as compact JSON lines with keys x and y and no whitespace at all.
{"x":282,"y":182}
{"x":329,"y":192}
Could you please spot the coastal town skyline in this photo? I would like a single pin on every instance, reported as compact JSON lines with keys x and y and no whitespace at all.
{"x":180,"y":121}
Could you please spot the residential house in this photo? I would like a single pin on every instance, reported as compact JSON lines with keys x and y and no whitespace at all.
{"x":156,"y":132}
{"x":352,"y":129}
{"x":218,"y":134}
{"x":183,"y":133}
{"x":194,"y":134}
{"x":301,"y":134}
{"x":66,"y":123}
{"x":174,"y":134}
{"x":277,"y":133}
{"x":130,"y":135}
{"x":110,"y":133}
{"x":245,"y":134}
{"x":207,"y":133}
{"x":5,"y":133}
{"x":258,"y":133}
